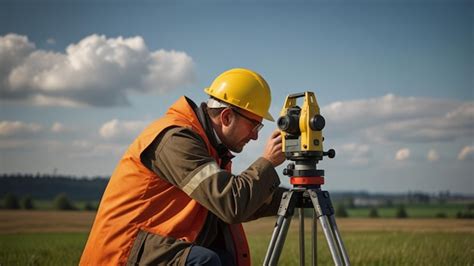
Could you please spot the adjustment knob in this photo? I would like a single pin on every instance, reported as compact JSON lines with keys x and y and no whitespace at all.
{"x":331,"y":153}
{"x":288,"y":171}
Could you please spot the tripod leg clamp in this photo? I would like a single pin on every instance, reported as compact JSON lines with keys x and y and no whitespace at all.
{"x":287,"y":204}
{"x":322,"y":202}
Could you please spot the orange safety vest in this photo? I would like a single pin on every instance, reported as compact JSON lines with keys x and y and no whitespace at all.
{"x":137,"y":199}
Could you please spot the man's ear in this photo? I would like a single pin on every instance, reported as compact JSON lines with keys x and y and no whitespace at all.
{"x":226,"y":116}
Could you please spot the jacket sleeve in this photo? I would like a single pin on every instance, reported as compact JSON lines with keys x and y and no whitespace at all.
{"x":180,"y":156}
{"x":271,"y":206}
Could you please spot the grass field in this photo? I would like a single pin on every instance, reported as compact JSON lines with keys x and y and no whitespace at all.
{"x":41,"y":248}
{"x":379,"y":242}
{"x":57,"y":238}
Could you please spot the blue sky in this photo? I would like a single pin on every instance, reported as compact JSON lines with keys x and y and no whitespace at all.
{"x":394,"y":79}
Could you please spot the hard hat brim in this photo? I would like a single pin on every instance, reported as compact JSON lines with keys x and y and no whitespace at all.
{"x":269,"y":117}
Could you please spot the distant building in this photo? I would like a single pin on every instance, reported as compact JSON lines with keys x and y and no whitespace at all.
{"x":369,"y":202}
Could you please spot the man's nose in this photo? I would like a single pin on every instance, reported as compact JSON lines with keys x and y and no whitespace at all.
{"x":254,"y":134}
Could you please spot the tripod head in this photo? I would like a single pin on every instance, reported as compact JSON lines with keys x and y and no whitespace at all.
{"x":302,"y":139}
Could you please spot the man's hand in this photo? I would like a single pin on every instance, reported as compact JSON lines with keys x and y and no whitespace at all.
{"x":273,"y":151}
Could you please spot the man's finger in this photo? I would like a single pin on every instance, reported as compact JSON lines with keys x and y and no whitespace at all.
{"x":275,"y":133}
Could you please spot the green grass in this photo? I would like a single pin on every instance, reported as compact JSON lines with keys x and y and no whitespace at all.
{"x":364,"y":248}
{"x":41,"y":248}
{"x":379,"y":248}
{"x":414,"y":211}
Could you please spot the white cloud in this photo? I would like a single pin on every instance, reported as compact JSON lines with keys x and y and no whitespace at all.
{"x":96,"y":71}
{"x":88,"y":149}
{"x":83,"y":149}
{"x":121,"y":130}
{"x":18,"y":128}
{"x":357,"y":154}
{"x":466,"y":153}
{"x":463,"y":112}
{"x":169,"y":70}
{"x":58,"y":128}
{"x":402,"y":154}
{"x":379,"y":109}
{"x":432,"y":156}
{"x":44,"y":100}
{"x":13,"y":51}
{"x":398,"y":119}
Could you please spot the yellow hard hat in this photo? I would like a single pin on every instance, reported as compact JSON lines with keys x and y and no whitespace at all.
{"x":243,"y":88}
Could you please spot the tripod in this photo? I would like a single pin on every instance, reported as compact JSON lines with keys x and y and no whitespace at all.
{"x":306,"y":193}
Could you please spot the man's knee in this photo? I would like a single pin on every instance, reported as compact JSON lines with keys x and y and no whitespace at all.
{"x":203,"y":256}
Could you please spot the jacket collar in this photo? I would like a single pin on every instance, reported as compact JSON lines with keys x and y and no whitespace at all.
{"x":205,"y":121}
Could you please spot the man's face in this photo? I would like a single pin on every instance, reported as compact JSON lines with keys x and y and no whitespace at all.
{"x":243,"y":127}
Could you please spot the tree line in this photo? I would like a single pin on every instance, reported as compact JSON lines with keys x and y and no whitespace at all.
{"x":47,"y":187}
{"x":60,"y":202}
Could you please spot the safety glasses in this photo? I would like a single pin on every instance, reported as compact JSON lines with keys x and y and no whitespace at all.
{"x":257,"y":125}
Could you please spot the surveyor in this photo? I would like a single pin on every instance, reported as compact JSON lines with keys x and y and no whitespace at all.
{"x":173,"y":199}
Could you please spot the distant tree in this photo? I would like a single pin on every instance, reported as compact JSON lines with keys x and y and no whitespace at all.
{"x":373,"y":213}
{"x":89,"y":207}
{"x":440,"y":215}
{"x":62,"y":202}
{"x":27,"y":203}
{"x":468,"y":213}
{"x":350,"y":203}
{"x":11,"y":202}
{"x":341,"y":211}
{"x":401,"y":212}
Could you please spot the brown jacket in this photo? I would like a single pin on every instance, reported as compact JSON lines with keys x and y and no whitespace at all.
{"x":169,"y":192}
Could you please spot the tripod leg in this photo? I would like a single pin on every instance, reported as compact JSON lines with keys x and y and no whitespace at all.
{"x":277,"y":241}
{"x":302,"y":236}
{"x":271,"y":245}
{"x":325,"y":212}
{"x":314,"y":240}
{"x":330,"y":239}
{"x":285,"y":213}
{"x":274,"y":254}
{"x":338,"y":237}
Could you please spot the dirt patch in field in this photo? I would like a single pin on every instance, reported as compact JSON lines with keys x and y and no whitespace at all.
{"x":354,"y":224}
{"x":45,"y":221}
{"x":81,"y":221}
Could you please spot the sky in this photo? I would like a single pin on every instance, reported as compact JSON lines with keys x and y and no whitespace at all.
{"x":394,"y":80}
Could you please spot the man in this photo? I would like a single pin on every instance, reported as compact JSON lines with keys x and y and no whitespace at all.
{"x":173,"y":199}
